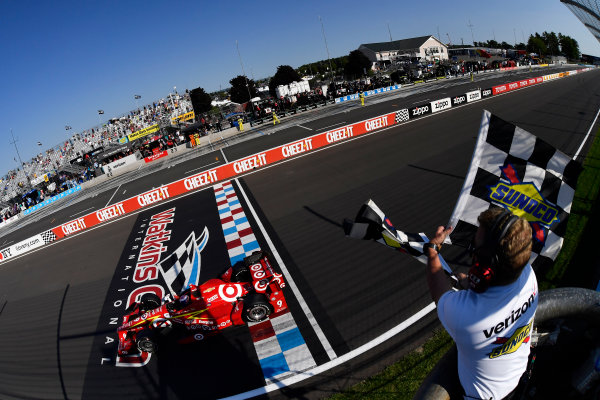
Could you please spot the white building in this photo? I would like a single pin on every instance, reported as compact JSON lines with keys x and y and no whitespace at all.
{"x":423,"y":48}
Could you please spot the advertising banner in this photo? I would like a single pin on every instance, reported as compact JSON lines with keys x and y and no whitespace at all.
{"x":184,"y":117}
{"x":420,"y":110}
{"x":156,"y":156}
{"x":52,"y":199}
{"x":143,"y":132}
{"x":22,"y":247}
{"x":355,"y":96}
{"x":459,"y":100}
{"x":120,"y":163}
{"x":225,"y":171}
{"x":442,"y":104}
{"x":473,"y":96}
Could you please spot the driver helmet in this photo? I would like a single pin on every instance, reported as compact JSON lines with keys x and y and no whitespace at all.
{"x":184,"y":299}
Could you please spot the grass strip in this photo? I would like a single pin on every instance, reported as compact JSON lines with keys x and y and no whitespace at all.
{"x":586,"y":196}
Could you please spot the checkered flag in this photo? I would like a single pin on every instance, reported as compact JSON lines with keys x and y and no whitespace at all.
{"x":182,"y":267}
{"x":402,"y":115}
{"x":515,"y":170}
{"x":48,"y":237}
{"x":372,"y":224}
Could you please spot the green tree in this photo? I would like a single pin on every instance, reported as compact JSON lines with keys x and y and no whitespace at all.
{"x":551,"y":41}
{"x":536,"y":44}
{"x":569,"y":47}
{"x":506,"y":46}
{"x":357,"y":64}
{"x":284,"y":76}
{"x":200,"y":100}
{"x":238,"y":93}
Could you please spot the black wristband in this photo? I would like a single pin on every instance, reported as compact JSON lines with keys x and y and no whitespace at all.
{"x":433,"y":246}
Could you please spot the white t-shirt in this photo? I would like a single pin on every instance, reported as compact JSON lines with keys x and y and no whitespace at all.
{"x":492,"y":331}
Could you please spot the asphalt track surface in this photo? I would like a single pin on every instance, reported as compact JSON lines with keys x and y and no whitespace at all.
{"x":53,"y":300}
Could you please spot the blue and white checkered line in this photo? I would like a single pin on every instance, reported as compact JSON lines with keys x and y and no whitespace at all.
{"x":280,"y":347}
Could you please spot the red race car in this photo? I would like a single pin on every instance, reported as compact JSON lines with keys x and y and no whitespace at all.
{"x":249,"y":291}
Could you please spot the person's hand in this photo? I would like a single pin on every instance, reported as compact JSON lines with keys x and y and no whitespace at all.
{"x":440,"y":235}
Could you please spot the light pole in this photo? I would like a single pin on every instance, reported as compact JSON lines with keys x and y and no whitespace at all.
{"x":327,"y":49}
{"x":137,"y":97}
{"x":14,"y":142}
{"x":471,"y":27}
{"x":246,"y":78}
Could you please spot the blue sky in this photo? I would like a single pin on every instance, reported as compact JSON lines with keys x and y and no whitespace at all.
{"x":64,"y":60}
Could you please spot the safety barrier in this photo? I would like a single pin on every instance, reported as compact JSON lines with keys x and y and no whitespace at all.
{"x":268,"y":157}
{"x":52,"y":199}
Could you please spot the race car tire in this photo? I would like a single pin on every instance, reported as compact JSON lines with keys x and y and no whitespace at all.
{"x":240,"y":273}
{"x":144,"y":342}
{"x":150,"y":301}
{"x":256,"y":308}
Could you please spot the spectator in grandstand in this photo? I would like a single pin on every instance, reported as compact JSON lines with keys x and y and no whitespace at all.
{"x":492,"y":320}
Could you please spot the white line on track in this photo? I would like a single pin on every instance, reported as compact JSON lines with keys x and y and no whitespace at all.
{"x":202,"y":167}
{"x":300,"y":376}
{"x":300,"y":126}
{"x":313,"y":322}
{"x":81,"y":212}
{"x":421,"y":101}
{"x":111,"y":197}
{"x":586,"y":135}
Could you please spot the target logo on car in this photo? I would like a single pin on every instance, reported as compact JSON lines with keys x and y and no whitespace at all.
{"x":230,"y":292}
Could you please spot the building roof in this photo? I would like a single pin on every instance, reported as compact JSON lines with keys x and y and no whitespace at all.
{"x":412,"y":43}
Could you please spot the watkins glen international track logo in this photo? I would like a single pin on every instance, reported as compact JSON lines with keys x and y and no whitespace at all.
{"x":524,"y":200}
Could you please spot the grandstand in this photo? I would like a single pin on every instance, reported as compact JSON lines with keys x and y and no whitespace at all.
{"x":57,"y":159}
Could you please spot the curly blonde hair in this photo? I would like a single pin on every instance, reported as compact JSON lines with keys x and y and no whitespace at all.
{"x":514,"y":249}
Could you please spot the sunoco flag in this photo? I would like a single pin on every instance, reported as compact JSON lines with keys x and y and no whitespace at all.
{"x":513,"y":169}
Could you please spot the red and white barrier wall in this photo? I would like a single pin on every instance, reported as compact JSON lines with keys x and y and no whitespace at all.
{"x":268,"y":157}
